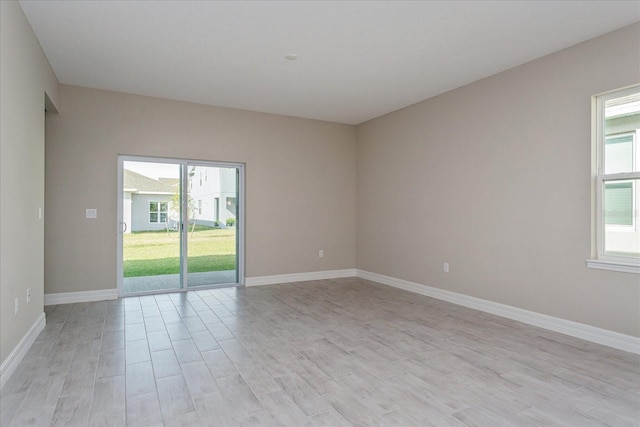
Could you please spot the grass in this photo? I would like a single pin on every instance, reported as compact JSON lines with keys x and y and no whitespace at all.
{"x":153,"y":253}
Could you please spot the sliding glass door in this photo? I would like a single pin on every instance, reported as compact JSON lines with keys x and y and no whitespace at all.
{"x":150,"y":226}
{"x":180,"y":224}
{"x":212,"y":214}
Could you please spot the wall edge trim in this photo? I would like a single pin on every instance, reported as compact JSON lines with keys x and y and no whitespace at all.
{"x":82,"y":296}
{"x":590,"y":333}
{"x":14,"y":358}
{"x":299,"y":277}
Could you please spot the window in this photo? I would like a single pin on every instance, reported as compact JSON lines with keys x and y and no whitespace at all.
{"x":199,"y":207}
{"x":158,"y":212}
{"x":617,"y":180}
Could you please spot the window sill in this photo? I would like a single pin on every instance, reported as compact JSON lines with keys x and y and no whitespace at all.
{"x":614,"y":266}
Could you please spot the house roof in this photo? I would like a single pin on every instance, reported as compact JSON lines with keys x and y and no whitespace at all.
{"x":138,"y":183}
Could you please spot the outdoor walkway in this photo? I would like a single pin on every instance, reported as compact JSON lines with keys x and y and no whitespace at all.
{"x":172,"y":281}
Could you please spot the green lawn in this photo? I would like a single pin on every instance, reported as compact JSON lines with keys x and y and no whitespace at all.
{"x":155,"y":253}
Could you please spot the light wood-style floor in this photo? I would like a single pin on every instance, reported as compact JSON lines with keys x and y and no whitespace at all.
{"x":324,"y":353}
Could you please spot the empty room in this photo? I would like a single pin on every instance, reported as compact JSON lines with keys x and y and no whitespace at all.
{"x":319,"y":213}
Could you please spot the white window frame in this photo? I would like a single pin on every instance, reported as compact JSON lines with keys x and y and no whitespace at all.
{"x":599,"y":259}
{"x":158,"y":212}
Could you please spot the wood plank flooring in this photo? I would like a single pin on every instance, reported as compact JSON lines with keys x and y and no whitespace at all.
{"x":344,"y":352}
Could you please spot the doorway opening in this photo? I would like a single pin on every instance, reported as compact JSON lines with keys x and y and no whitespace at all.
{"x":180,"y":223}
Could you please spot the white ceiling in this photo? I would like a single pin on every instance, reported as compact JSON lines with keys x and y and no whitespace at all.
{"x":357,"y":60}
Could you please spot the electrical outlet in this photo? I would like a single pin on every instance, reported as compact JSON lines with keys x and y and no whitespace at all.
{"x":445,"y":267}
{"x":321,"y":253}
{"x":28,"y":295}
{"x":17,"y":301}
{"x":91,"y":213}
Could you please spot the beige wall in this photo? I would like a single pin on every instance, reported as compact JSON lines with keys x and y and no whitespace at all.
{"x":503,"y":196}
{"x":300,"y":181}
{"x":494,"y":178}
{"x":25,"y":76}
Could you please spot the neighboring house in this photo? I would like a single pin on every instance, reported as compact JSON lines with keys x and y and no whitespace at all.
{"x":147,"y":202}
{"x":213,"y":195}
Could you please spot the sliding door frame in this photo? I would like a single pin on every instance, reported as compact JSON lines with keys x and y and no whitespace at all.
{"x":184,"y":228}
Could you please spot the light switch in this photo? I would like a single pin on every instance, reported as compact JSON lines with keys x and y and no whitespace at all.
{"x":91,"y":213}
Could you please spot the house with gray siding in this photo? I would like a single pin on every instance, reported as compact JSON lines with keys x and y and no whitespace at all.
{"x":147,"y":202}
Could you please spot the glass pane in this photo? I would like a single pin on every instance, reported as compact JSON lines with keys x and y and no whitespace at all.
{"x":211,"y":242}
{"x":151,"y":212}
{"x":621,"y":127}
{"x":620,"y":212}
{"x":618,"y":202}
{"x":618,"y":154}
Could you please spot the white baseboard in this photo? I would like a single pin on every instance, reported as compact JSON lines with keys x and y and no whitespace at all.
{"x":14,"y":358}
{"x":579,"y":330}
{"x":84,"y":296}
{"x":299,"y":277}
